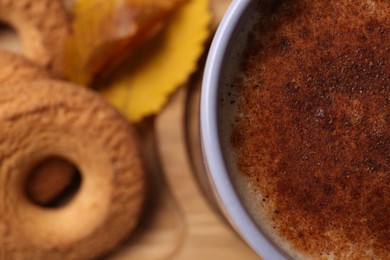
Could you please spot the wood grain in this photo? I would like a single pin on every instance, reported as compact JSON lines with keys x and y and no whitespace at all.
{"x":207,"y":234}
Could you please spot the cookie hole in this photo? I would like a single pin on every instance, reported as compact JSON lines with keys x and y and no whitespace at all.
{"x":53,"y":183}
{"x":9,"y":39}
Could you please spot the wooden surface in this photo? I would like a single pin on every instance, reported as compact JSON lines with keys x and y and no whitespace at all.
{"x":207,"y":234}
{"x":179,"y":222}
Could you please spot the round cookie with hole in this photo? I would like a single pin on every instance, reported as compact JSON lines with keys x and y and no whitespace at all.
{"x":50,"y":181}
{"x":55,"y":119}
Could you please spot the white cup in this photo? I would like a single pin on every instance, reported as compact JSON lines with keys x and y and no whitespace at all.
{"x":221,"y":185}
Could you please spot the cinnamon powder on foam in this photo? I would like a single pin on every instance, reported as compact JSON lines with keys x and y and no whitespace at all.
{"x":313,"y":134}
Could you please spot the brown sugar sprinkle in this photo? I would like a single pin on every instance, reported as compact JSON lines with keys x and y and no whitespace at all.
{"x":316,"y":137}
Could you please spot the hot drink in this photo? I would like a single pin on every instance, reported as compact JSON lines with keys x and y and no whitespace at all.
{"x":304,"y":124}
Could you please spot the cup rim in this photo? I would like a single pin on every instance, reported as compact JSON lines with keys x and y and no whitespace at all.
{"x":218,"y":176}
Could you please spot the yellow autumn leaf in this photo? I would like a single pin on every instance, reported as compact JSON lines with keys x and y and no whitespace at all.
{"x":143,"y":83}
{"x":104,"y":30}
